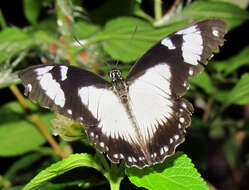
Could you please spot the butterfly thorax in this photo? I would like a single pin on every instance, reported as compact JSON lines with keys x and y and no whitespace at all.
{"x":119,"y":85}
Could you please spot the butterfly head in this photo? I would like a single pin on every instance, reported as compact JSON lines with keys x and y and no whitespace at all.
{"x":115,"y":75}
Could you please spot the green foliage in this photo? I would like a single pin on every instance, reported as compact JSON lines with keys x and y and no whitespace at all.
{"x":239,"y":93}
{"x":32,"y":10}
{"x":201,"y":9}
{"x":73,"y":161}
{"x":14,"y":41}
{"x":177,"y":173}
{"x":61,"y":31}
{"x":16,"y":131}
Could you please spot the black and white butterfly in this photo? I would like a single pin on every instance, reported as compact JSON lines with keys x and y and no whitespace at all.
{"x":142,"y":118}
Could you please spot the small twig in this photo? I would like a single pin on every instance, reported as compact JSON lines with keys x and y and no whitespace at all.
{"x":211,"y":187}
{"x":172,"y":8}
{"x":158,"y":9}
{"x":167,"y":15}
{"x":35,"y":119}
{"x":208,"y":109}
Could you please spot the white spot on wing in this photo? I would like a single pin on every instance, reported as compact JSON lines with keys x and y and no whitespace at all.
{"x":192,"y":46}
{"x":190,"y":72}
{"x":51,"y":87}
{"x":129,"y":159}
{"x":184,"y":105}
{"x":43,"y":70}
{"x":215,"y":33}
{"x":150,"y":97}
{"x":121,"y":156}
{"x":141,"y":158}
{"x":176,"y":137}
{"x":69,"y":111}
{"x":29,"y":87}
{"x":115,"y":156}
{"x":102,"y":144}
{"x":63,"y":70}
{"x":168,"y":43}
{"x":182,"y":119}
{"x":161,"y":151}
{"x":179,"y":126}
{"x":134,"y":159}
{"x":165,"y":148}
{"x":171,"y":141}
{"x":188,"y":30}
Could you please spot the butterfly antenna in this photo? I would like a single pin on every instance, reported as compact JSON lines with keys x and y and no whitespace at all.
{"x":132,"y":36}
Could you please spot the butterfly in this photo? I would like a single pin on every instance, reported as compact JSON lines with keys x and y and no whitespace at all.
{"x":141,"y":118}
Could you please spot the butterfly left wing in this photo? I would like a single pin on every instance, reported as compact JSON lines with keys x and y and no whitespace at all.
{"x":58,"y":87}
{"x":89,"y":99}
{"x":158,"y":80}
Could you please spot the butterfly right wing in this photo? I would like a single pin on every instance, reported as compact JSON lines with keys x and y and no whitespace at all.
{"x":159,"y":78}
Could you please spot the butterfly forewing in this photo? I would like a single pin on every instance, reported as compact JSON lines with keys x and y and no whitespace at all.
{"x":148,"y":122}
{"x":185,"y":52}
{"x":160,"y":77}
{"x":58,"y":86}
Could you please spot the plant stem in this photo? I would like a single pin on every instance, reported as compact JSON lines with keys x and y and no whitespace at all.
{"x":103,"y":161}
{"x":158,"y":9}
{"x":65,"y":20}
{"x":35,"y":119}
{"x":116,"y":185}
{"x":208,"y":109}
{"x":2,"y":20}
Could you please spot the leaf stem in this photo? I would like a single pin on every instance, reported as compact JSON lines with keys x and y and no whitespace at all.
{"x":158,"y":9}
{"x":103,"y":161}
{"x":35,"y":119}
{"x":116,"y":185}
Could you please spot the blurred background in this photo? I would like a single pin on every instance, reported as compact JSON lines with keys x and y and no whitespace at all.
{"x":95,"y":35}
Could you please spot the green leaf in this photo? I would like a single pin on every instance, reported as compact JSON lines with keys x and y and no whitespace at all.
{"x":231,"y":65}
{"x":13,"y":41}
{"x":177,"y":173}
{"x":233,"y":14}
{"x":240,"y":93}
{"x":17,"y":134}
{"x":23,"y":163}
{"x":15,"y":188}
{"x":69,"y":163}
{"x":32,"y":10}
{"x":130,"y":42}
{"x":138,"y":11}
{"x":68,"y":185}
{"x":84,"y":29}
{"x":204,"y":82}
{"x":240,"y":3}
